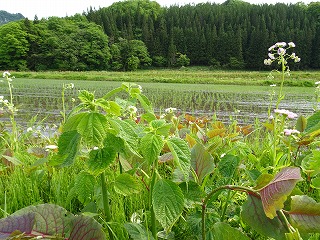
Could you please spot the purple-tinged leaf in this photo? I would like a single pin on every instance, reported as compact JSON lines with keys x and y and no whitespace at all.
{"x":305,"y":213}
{"x":253,"y":214}
{"x":201,"y":161}
{"x":86,"y":228}
{"x":50,"y":219}
{"x":276,"y":192}
{"x":23,"y":223}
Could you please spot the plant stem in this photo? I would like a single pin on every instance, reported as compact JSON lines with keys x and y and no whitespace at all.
{"x":105,"y":200}
{"x":153,"y":216}
{"x":205,"y":201}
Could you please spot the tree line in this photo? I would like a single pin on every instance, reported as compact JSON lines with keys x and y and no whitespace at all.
{"x":140,"y":33}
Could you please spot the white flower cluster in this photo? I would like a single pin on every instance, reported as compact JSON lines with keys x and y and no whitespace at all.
{"x":287,"y":113}
{"x":279,"y":51}
{"x":288,"y":132}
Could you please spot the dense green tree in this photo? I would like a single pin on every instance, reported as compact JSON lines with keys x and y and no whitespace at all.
{"x":14,"y":47}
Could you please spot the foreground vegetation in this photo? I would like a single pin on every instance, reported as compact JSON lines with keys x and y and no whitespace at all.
{"x":115,"y":169}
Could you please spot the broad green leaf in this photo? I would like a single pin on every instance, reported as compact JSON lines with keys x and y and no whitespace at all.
{"x":181,"y":155}
{"x":126,"y":131}
{"x":148,"y":117}
{"x":310,"y":163}
{"x":114,"y":142}
{"x":305,"y":213}
{"x":201,"y":161}
{"x":301,"y":123}
{"x":313,"y":123}
{"x":253,"y":214}
{"x":92,"y":127}
{"x":13,"y":160}
{"x":224,"y":231}
{"x":125,"y":184}
{"x":228,"y":165}
{"x":151,"y":146}
{"x":86,"y":96}
{"x":276,"y":192}
{"x":315,"y":182}
{"x":161,"y":127}
{"x":83,"y":187}
{"x":138,"y":231}
{"x":68,"y":144}
{"x":100,"y":159}
{"x":193,"y":193}
{"x":168,"y":202}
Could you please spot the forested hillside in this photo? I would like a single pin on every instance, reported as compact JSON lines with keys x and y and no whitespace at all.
{"x":139,"y":33}
{"x":6,"y":17}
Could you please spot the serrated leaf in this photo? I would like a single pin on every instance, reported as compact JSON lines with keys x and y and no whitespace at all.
{"x":276,"y":192}
{"x":86,"y":228}
{"x":114,"y":142}
{"x":305,"y":213}
{"x":224,"y":231}
{"x":181,"y":155}
{"x":253,"y":214}
{"x":201,"y":161}
{"x":301,"y":123}
{"x":228,"y":165}
{"x":193,"y":193}
{"x":151,"y":146}
{"x":138,"y":231}
{"x":84,"y":187}
{"x":85,"y":96}
{"x":100,"y":159}
{"x":126,"y":132}
{"x":161,"y":127}
{"x":168,"y":202}
{"x":91,"y":125}
{"x":125,"y":184}
{"x":68,"y":144}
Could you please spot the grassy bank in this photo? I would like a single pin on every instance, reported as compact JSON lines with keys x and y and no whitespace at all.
{"x":185,"y":75}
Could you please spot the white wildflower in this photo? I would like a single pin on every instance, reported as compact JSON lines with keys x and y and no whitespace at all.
{"x":281,"y":51}
{"x":273,"y":85}
{"x":316,"y":83}
{"x":281,"y":44}
{"x":291,"y":44}
{"x":289,"y":132}
{"x":170,"y":110}
{"x":267,"y":61}
{"x":6,"y":74}
{"x":29,"y":129}
{"x":271,"y":56}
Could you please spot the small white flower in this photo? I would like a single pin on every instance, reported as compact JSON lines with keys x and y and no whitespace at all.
{"x":291,"y":44}
{"x":271,"y":56}
{"x":289,"y":114}
{"x":132,"y":109}
{"x":267,"y":61}
{"x":73,"y":100}
{"x":170,"y":110}
{"x":51,"y":147}
{"x":281,"y":44}
{"x":95,"y":148}
{"x":140,"y":88}
{"x":316,"y":83}
{"x":222,"y":155}
{"x":273,"y":85}
{"x":5,"y":101}
{"x":293,"y":56}
{"x":281,"y":51}
{"x":272,"y":47}
{"x":6,"y":74}
{"x":297,"y":59}
{"x":29,"y":129}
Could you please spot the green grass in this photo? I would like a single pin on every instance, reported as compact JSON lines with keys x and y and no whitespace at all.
{"x":185,"y":75}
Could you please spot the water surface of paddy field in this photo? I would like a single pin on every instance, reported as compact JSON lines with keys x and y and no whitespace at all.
{"x":244,"y":103}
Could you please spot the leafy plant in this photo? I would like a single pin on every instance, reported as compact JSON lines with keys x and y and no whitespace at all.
{"x":49,"y":221}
